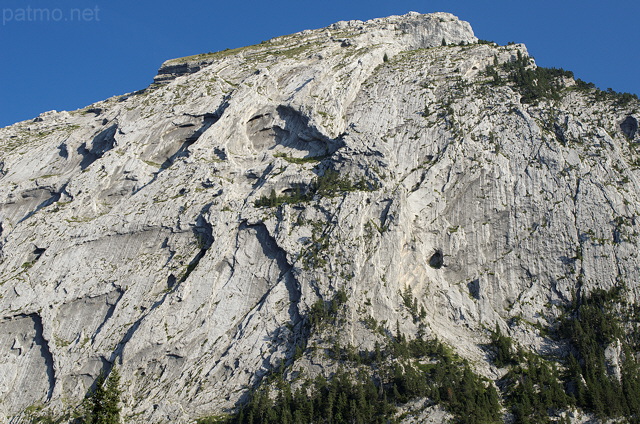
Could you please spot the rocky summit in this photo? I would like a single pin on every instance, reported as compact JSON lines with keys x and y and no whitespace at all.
{"x":372,"y":203}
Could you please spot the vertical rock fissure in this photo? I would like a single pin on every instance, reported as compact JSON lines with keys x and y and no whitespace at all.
{"x":109,"y":313}
{"x":580,"y":252}
{"x":45,"y":352}
{"x":203,"y":232}
{"x":272,"y":250}
{"x":1,"y":242}
{"x":202,"y":227}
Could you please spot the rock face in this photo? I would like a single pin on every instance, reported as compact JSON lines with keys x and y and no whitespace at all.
{"x":138,"y":231}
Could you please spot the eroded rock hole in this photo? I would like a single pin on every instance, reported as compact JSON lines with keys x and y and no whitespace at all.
{"x":38,"y":251}
{"x":63,"y":151}
{"x":437,"y":259}
{"x":474,"y":289}
{"x":629,"y":127}
{"x":220,"y":153}
{"x":171,"y":281}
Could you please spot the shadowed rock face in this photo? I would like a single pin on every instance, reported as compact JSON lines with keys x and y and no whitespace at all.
{"x":436,"y":260}
{"x":27,"y":363}
{"x":629,"y":127}
{"x":131,"y":231}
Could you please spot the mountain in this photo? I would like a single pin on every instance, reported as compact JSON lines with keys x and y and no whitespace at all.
{"x":392,"y":215}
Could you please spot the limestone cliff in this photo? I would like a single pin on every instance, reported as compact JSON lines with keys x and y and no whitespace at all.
{"x":182,"y":233}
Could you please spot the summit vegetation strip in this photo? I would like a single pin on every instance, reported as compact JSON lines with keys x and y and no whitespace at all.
{"x":540,"y":83}
{"x":533,"y":84}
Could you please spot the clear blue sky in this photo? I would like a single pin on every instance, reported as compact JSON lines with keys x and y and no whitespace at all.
{"x":88,"y":50}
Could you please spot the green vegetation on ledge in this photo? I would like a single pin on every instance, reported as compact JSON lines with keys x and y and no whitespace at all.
{"x":330,"y":184}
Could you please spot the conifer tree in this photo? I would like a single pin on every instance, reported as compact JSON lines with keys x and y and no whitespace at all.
{"x":112,"y":398}
{"x":102,"y":405}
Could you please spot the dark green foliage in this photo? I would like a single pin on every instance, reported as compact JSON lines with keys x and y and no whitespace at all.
{"x":411,"y":303}
{"x":445,"y":379}
{"x":300,"y":161}
{"x":371,"y":395}
{"x":631,"y":383}
{"x":273,"y":200}
{"x":449,"y":381}
{"x":591,"y":327}
{"x":537,"y":83}
{"x":46,"y":419}
{"x":495,"y":77}
{"x":619,"y":98}
{"x":533,"y":389}
{"x":35,"y":414}
{"x":342,"y":399}
{"x":330,"y":184}
{"x":327,"y":185}
{"x":102,"y":405}
{"x":540,"y":83}
{"x":322,"y":313}
{"x":582,"y":85}
{"x":505,"y":353}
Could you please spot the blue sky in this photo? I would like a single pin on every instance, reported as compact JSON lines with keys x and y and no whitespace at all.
{"x":74,"y":52}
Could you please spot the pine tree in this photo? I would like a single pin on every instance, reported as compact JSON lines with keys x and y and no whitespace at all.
{"x":94,"y":402}
{"x":273,"y":199}
{"x":102,"y":405}
{"x":112,"y":398}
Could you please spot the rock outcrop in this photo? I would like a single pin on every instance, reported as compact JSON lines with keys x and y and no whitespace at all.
{"x":152,"y":230}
